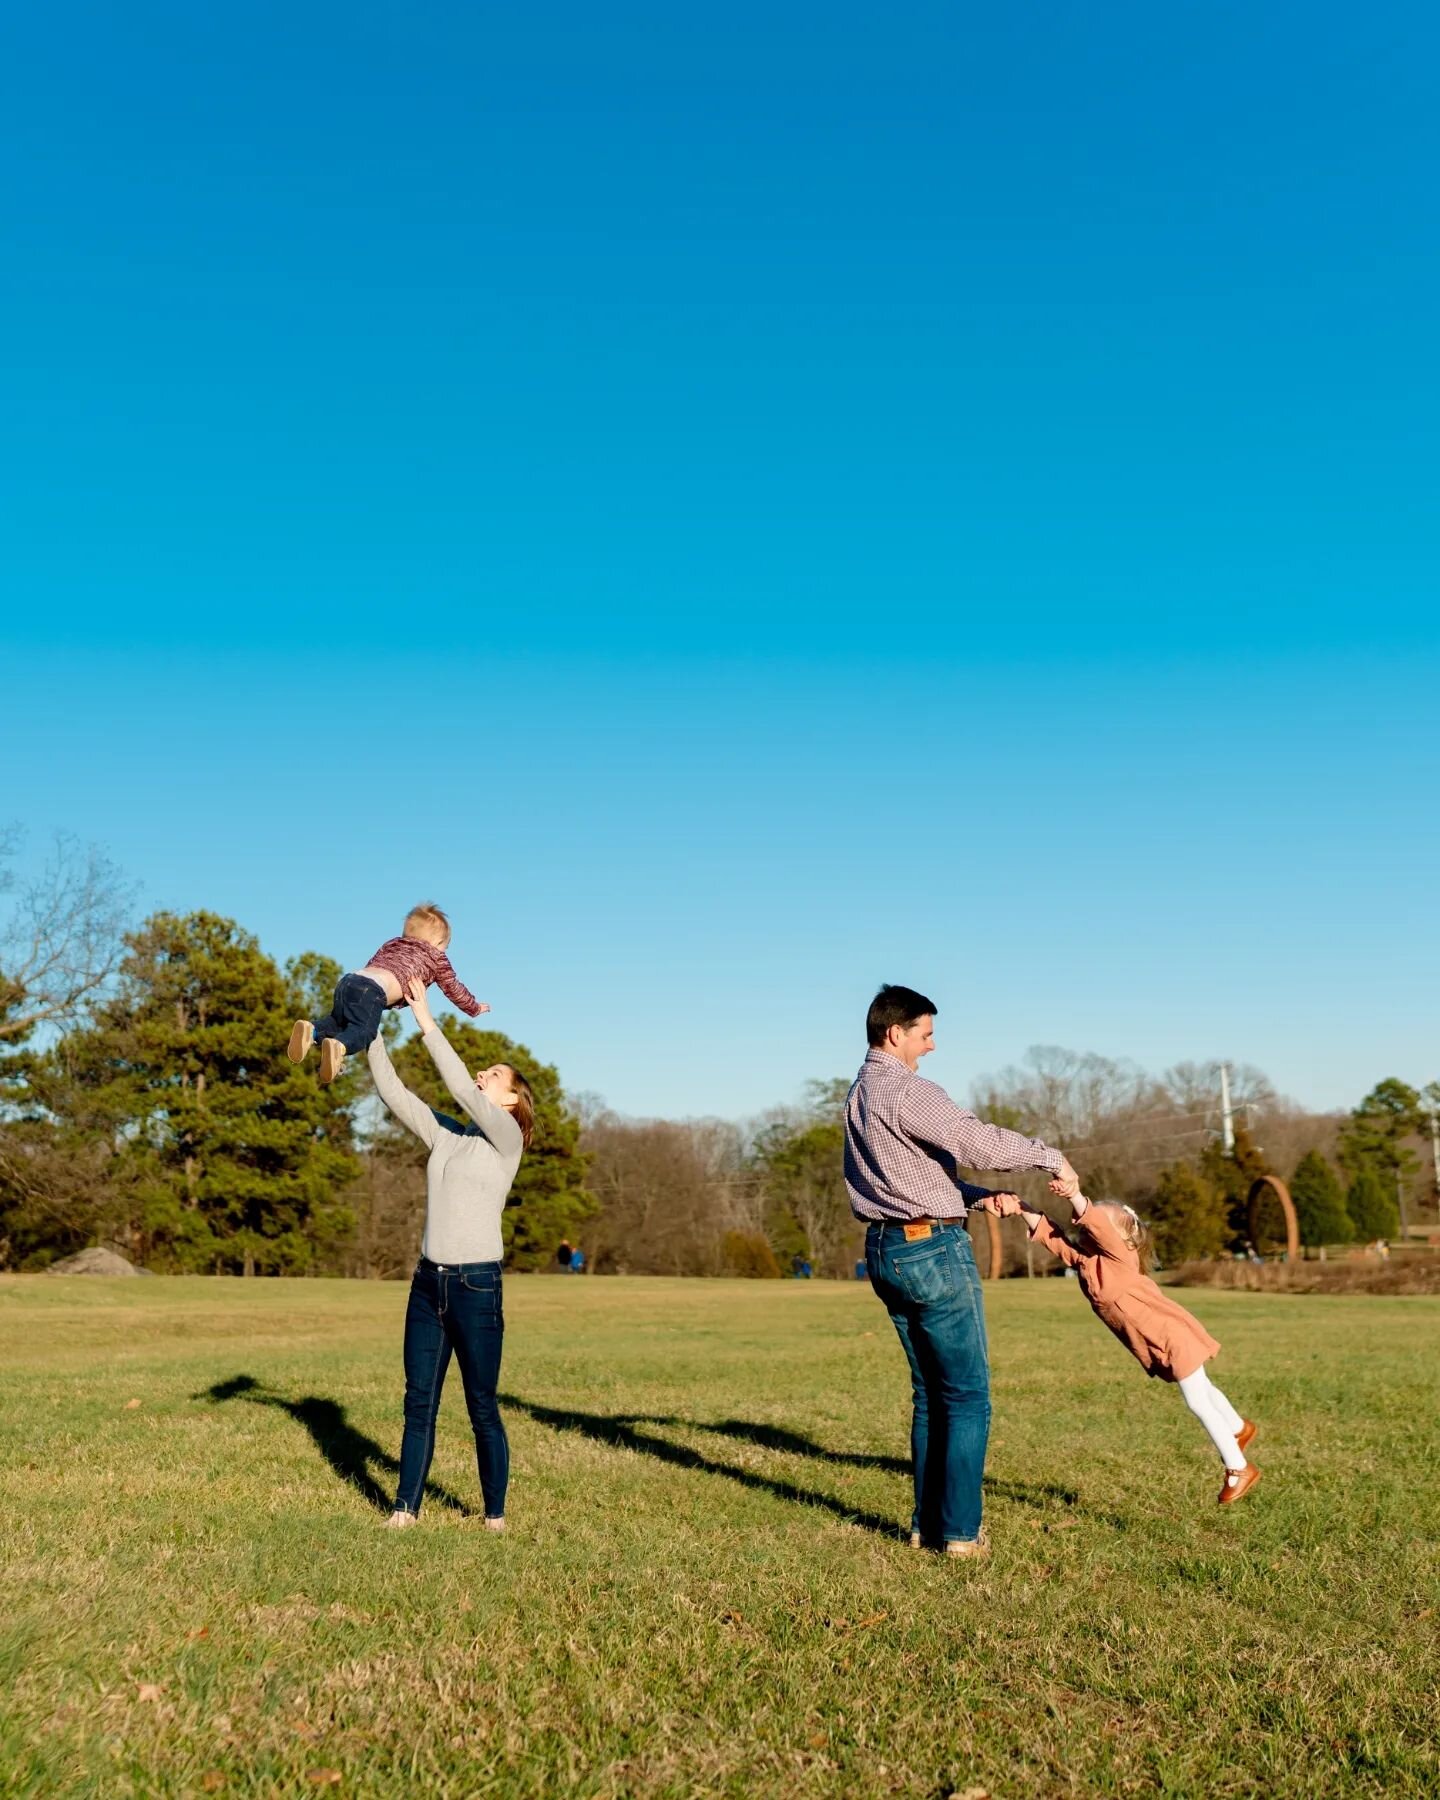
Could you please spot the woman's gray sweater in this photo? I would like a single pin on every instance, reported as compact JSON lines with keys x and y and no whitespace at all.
{"x":471,"y":1167}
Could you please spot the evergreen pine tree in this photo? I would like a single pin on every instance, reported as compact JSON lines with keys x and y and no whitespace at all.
{"x":1320,"y":1202}
{"x":1189,"y":1215}
{"x":1371,"y":1205}
{"x":234,"y":1155}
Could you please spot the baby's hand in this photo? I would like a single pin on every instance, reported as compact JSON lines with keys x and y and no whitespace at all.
{"x":481,"y":1006}
{"x":1007,"y":1205}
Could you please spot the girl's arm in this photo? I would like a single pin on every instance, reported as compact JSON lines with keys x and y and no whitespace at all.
{"x":1102,"y":1231}
{"x":408,"y":1108}
{"x":1043,"y":1232}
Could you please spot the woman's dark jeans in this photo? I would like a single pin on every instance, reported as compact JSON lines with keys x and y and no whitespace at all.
{"x":453,"y":1307}
{"x":931,"y":1289}
{"x":355,"y":1013}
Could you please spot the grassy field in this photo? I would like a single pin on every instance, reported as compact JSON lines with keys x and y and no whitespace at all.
{"x":702,"y":1590}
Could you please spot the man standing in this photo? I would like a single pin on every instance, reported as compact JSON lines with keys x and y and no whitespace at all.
{"x":905,"y":1140}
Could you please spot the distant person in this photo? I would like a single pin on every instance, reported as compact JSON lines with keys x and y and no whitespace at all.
{"x":564,"y":1255}
{"x":905,"y":1140}
{"x":1164,"y":1339}
{"x":577,"y":1261}
{"x":362,"y":996}
{"x":455,"y":1294}
{"x":860,"y":1269}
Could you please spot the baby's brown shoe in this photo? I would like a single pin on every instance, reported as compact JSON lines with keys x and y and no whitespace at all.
{"x":332,"y":1054}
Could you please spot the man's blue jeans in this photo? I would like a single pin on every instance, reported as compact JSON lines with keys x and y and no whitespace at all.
{"x":455,"y":1308}
{"x":931,"y":1290}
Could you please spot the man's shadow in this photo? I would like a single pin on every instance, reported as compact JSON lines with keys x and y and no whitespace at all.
{"x":620,"y":1432}
{"x":776,"y":1437}
{"x":349,"y":1452}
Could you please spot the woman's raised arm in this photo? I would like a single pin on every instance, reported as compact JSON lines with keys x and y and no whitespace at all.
{"x":493,"y":1120}
{"x":497,"y":1124}
{"x":408,"y":1108}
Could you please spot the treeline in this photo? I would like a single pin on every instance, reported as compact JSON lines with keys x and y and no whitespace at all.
{"x":1156,"y":1143}
{"x":146,"y":1103}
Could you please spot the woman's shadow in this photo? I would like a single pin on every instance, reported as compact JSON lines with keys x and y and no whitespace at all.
{"x":349,"y":1452}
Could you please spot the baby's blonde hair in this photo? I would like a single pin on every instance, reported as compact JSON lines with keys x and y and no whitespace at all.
{"x":429,"y":915}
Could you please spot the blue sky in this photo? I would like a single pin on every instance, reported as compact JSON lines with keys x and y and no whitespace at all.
{"x":744,"y":504}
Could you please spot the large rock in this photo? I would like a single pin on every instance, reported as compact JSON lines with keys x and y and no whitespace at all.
{"x":95,"y":1261}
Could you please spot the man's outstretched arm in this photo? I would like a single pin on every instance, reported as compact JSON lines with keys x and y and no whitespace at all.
{"x":929,"y":1114}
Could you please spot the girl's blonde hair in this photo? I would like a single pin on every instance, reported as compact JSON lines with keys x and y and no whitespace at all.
{"x":428,"y":913}
{"x":1134,"y":1230}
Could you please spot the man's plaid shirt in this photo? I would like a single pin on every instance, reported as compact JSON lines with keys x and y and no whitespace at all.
{"x":905,"y":1139}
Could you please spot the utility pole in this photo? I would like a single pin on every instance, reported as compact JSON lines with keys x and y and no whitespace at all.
{"x":1400,"y":1201}
{"x":1435,"y":1149}
{"x":1227,"y":1117}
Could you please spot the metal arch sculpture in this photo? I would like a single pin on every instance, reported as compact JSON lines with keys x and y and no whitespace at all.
{"x":1287,"y":1206}
{"x":993,"y":1254}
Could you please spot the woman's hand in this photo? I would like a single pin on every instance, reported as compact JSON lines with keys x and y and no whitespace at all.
{"x":419,"y":1005}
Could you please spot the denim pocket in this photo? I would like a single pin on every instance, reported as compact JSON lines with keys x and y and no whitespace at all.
{"x":923,"y":1276}
{"x":486,"y":1290}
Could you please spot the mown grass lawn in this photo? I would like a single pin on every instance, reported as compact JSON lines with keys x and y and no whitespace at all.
{"x":703,"y":1589}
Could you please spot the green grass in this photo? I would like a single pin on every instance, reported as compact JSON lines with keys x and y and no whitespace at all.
{"x":702,"y":1590}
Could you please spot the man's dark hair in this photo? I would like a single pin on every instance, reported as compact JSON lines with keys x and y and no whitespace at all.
{"x":894,"y":1006}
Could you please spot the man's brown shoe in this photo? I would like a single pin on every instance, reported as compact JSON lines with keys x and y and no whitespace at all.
{"x":332,"y":1054}
{"x":302,"y":1036}
{"x":1247,"y":1431}
{"x":1238,"y":1483}
{"x":975,"y":1547}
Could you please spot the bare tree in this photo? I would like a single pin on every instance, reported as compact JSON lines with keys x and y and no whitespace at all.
{"x":61,"y":935}
{"x":670,"y":1191}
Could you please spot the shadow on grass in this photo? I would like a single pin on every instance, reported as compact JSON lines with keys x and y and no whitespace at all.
{"x":1042,"y":1494}
{"x":620,"y":1431}
{"x":349,"y":1452}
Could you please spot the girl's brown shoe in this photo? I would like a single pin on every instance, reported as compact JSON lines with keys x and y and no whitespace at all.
{"x":1247,"y":1431}
{"x":1238,"y":1483}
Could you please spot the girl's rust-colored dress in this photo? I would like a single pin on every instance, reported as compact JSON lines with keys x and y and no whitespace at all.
{"x":1164,"y":1339}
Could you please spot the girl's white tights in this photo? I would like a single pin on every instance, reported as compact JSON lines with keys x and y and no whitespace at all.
{"x":1216,"y":1414}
